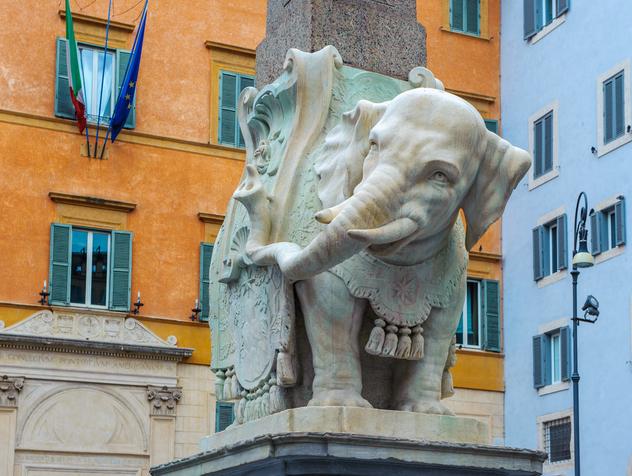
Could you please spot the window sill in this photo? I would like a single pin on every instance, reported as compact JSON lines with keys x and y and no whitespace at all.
{"x":603,"y":149}
{"x":552,"y":278}
{"x":542,"y":179}
{"x":462,"y":33}
{"x":553,"y":388}
{"x":609,"y":254}
{"x":547,"y":29}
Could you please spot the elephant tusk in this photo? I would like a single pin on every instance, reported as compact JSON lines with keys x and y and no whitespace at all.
{"x":389,"y":233}
{"x":327,"y":215}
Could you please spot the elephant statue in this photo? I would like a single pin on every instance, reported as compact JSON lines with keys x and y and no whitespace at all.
{"x":380,"y":283}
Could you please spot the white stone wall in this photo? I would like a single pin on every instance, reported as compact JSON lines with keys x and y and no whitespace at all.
{"x":483,"y":405}
{"x":195,"y":413}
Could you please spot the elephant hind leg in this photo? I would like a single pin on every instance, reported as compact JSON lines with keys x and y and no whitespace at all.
{"x":332,"y":320}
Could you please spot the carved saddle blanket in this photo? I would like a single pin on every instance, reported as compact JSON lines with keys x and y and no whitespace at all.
{"x":403,"y":296}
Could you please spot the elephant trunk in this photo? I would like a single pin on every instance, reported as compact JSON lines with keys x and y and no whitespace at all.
{"x":375,"y":202}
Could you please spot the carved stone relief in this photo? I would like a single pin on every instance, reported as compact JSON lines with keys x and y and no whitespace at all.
{"x":10,"y":388}
{"x":163,"y":400}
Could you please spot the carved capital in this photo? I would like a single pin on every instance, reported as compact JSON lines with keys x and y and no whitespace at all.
{"x":163,"y":400}
{"x":10,"y":387}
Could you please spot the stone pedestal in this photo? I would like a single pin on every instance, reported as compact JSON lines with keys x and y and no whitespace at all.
{"x":382,"y":36}
{"x":355,"y":442}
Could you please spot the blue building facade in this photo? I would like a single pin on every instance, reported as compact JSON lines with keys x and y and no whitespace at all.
{"x":566,"y":97}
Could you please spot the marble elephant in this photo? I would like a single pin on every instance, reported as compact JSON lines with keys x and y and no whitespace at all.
{"x":394,"y":177}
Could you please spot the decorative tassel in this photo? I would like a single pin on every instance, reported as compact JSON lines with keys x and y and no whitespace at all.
{"x":265,"y":400}
{"x":235,"y":388}
{"x":285,"y":369}
{"x":390,"y":341}
{"x":248,"y":410}
{"x":220,"y":376}
{"x":376,"y":339}
{"x":228,"y":386}
{"x":404,"y":343}
{"x":241,"y":408}
{"x":417,"y":348}
{"x":277,"y":399}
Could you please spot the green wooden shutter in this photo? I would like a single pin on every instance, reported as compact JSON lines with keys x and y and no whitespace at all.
{"x":530,"y":24}
{"x":456,"y":15}
{"x":538,"y":149}
{"x":206,"y":251}
{"x":491,"y":315}
{"x":540,"y":360}
{"x":244,"y":82}
{"x":492,"y":125}
{"x":63,"y":103}
{"x":227,"y":108}
{"x":538,"y":253}
{"x":595,"y":232}
{"x":473,"y":16}
{"x":619,"y":106}
{"x":122,"y":58}
{"x":562,"y":247}
{"x":565,"y":353}
{"x":60,"y":262}
{"x":121,"y":271}
{"x":619,"y":217}
{"x":562,"y":6}
{"x":224,"y":415}
{"x":548,"y":144}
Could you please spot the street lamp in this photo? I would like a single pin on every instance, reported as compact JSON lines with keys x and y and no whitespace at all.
{"x":581,"y":259}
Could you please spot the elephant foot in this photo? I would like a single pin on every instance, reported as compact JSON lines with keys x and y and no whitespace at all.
{"x":425,"y":406}
{"x":338,"y":398}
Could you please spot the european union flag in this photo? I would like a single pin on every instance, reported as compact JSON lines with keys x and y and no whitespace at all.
{"x":125,"y":100}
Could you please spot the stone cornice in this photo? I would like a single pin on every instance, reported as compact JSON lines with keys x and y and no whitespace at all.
{"x":211,"y":218}
{"x":214,"y":45}
{"x":97,"y":21}
{"x":94,"y":202}
{"x":55,"y":344}
{"x":131,"y":137}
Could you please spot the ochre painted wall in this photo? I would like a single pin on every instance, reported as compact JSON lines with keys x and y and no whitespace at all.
{"x":165,"y":165}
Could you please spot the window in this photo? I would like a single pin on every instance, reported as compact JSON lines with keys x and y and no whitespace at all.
{"x":607,"y":227}
{"x":230,"y":86}
{"x":465,"y":16}
{"x":206,"y":251}
{"x":551,"y":357}
{"x":479,"y":326}
{"x":543,"y":145}
{"x":549,"y":248}
{"x":540,"y":13}
{"x":614,"y":114}
{"x":492,"y":125}
{"x":224,"y":415}
{"x":613,"y":108}
{"x":557,"y":439}
{"x":90,"y":268}
{"x":91,"y":63}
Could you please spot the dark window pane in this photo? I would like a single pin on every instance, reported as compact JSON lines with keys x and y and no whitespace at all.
{"x":548,"y":143}
{"x":548,"y":11}
{"x":459,"y":332}
{"x":619,"y":107}
{"x":608,"y":99}
{"x":79,"y":267}
{"x":472,"y":309}
{"x":99,"y":268}
{"x":613,"y":229}
{"x":538,"y":152}
{"x":558,"y":439}
{"x":554,"y":264}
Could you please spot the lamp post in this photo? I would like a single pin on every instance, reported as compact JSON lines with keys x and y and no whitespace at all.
{"x":581,"y":259}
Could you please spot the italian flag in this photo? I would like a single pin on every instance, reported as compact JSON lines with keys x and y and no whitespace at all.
{"x":74,"y":76}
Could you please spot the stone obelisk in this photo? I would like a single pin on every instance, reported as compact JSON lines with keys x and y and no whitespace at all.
{"x":382,"y":36}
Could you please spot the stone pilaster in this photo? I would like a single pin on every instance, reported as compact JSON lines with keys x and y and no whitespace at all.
{"x":163,"y":400}
{"x":10,"y":388}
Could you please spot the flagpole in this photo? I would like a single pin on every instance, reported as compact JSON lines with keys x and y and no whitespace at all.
{"x":105,"y":57}
{"x":86,"y":106}
{"x":105,"y":142}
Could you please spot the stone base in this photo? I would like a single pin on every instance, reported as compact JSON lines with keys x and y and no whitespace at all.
{"x":355,"y":442}
{"x":357,"y":421}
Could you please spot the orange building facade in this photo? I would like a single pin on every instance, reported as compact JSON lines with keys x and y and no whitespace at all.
{"x":166,"y":182}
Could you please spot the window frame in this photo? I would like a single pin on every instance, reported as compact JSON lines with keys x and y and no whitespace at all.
{"x":540,"y":115}
{"x":465,"y":30}
{"x":238,"y":88}
{"x":551,"y":267}
{"x":88,"y":290}
{"x":601,"y":220}
{"x":463,"y":322}
{"x":546,"y":429}
{"x":547,"y":358}
{"x":604,"y":147}
{"x":541,"y":27}
{"x":541,"y":422}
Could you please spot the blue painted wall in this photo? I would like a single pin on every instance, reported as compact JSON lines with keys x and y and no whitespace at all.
{"x":564,"y":66}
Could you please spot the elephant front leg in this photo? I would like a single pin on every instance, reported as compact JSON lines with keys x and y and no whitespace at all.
{"x":333,"y":319}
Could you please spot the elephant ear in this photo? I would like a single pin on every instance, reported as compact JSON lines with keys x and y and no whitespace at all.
{"x":501,"y":168}
{"x":339,"y":166}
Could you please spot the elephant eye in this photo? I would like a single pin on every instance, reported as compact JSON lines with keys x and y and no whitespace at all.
{"x":372,"y":146}
{"x":440,"y":177}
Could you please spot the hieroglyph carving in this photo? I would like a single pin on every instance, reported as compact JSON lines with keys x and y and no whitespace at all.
{"x":351,"y":201}
{"x":163,"y":400}
{"x":10,"y":388}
